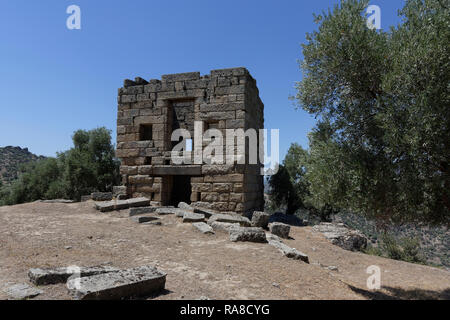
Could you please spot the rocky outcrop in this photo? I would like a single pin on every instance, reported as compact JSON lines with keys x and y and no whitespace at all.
{"x":342,"y":236}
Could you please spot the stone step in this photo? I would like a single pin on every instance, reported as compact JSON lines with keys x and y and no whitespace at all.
{"x":135,"y":282}
{"x":60,"y":275}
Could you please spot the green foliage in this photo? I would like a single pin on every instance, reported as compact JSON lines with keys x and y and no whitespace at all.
{"x":283,"y":191}
{"x":89,"y":166}
{"x":382,"y":144}
{"x":404,"y":249}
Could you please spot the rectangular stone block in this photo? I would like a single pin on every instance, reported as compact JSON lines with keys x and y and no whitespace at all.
{"x":141,"y":281}
{"x":48,"y":276}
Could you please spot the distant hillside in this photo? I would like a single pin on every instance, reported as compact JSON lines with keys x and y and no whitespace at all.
{"x":10,"y":160}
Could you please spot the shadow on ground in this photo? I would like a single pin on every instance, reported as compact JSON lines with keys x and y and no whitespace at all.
{"x":390,"y":293}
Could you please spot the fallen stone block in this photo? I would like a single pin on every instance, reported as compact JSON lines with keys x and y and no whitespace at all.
{"x":193,"y":217}
{"x":260,"y":219}
{"x":142,"y":210}
{"x":185,"y":206}
{"x":121,"y":204}
{"x":248,"y":234}
{"x":105,"y":206}
{"x":143,"y":219}
{"x":138,"y":202}
{"x":169,"y":210}
{"x":64,"y":201}
{"x":280,"y":229}
{"x":22,"y":291}
{"x":60,"y":275}
{"x":203,"y":228}
{"x":135,"y":282}
{"x":222,"y":226}
{"x":243,"y":221}
{"x":153,"y":223}
{"x":288,"y":251}
{"x":102,"y":196}
{"x":207,"y":212}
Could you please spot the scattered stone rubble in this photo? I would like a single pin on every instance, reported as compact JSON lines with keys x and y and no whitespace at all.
{"x":342,"y":236}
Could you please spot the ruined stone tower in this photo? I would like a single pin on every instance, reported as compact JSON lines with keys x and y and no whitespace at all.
{"x":148,"y":113}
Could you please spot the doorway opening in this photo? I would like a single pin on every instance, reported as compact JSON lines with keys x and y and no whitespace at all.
{"x":181,"y":190}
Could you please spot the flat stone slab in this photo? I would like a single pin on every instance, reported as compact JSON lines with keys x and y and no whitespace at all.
{"x":58,"y":201}
{"x":203,"y":228}
{"x":169,"y":210}
{"x":22,"y":291}
{"x":135,"y":282}
{"x":243,"y":221}
{"x":122,"y":204}
{"x":289,"y":252}
{"x":144,"y":219}
{"x":153,"y":223}
{"x":222,"y":226}
{"x":105,"y":206}
{"x":138,"y":202}
{"x":142,"y":210}
{"x":248,"y":234}
{"x":280,"y":229}
{"x":193,"y":217}
{"x":60,"y":275}
{"x":207,"y":212}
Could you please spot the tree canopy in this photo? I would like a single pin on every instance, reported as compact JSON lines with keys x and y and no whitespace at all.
{"x":89,"y":166}
{"x":381,"y":145}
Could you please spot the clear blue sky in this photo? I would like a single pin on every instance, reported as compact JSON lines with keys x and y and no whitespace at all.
{"x":54,"y":80}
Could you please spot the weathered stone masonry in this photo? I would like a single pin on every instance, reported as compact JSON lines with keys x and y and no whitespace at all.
{"x":148,"y":112}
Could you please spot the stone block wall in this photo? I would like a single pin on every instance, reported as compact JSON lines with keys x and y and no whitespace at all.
{"x":148,"y":112}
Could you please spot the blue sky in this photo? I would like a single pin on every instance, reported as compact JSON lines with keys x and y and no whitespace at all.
{"x":54,"y":80}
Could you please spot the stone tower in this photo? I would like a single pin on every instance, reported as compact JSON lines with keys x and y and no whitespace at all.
{"x":148,"y":113}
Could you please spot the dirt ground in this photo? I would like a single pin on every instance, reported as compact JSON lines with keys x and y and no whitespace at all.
{"x":39,"y":235}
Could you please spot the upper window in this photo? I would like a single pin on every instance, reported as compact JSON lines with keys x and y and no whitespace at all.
{"x":145,"y":132}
